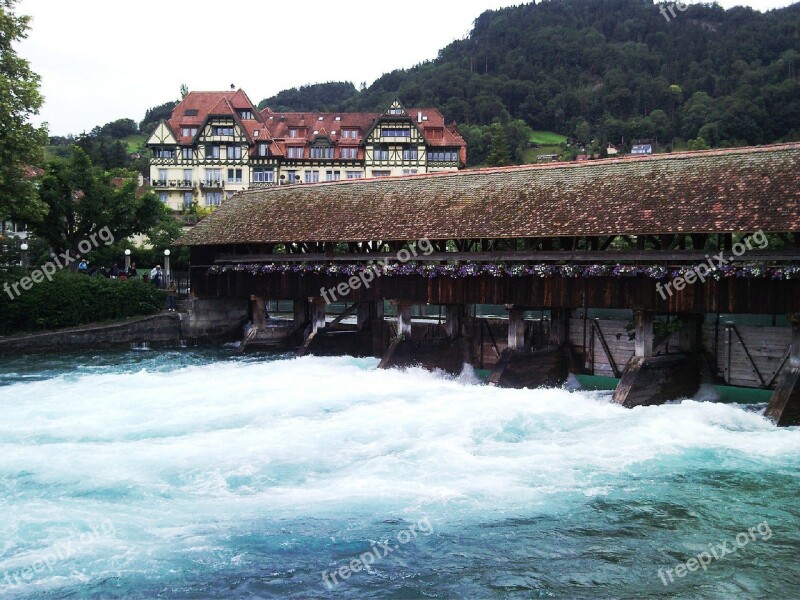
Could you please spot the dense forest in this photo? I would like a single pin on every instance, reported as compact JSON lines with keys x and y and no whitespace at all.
{"x":603,"y":71}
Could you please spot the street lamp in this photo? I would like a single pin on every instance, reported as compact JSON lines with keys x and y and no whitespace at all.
{"x":24,"y":260}
{"x":166,"y":267}
{"x":127,"y":260}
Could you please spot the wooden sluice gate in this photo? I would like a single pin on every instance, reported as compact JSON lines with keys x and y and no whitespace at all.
{"x":658,"y":271}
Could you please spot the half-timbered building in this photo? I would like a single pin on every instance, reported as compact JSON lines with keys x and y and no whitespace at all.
{"x":217,"y":143}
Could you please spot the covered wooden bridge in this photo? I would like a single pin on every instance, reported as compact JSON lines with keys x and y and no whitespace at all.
{"x":679,"y":235}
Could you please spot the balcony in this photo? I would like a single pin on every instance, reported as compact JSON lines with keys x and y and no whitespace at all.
{"x":176,"y":184}
{"x":212,"y":184}
{"x":262,"y":184}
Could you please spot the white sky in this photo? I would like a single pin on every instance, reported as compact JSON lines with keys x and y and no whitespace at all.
{"x":102,"y":60}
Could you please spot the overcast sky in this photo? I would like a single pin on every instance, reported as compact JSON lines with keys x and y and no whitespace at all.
{"x":102,"y":60}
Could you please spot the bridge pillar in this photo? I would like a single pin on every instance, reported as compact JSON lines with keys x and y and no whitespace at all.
{"x":258,"y":305}
{"x":643,"y":342}
{"x":516,"y":328}
{"x":364,"y":315}
{"x":784,"y":405}
{"x":404,"y":320}
{"x":452,"y":325}
{"x":559,"y":326}
{"x":651,"y":380}
{"x":300,"y":310}
{"x":317,"y":314}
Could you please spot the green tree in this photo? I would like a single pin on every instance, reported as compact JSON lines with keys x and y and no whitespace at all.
{"x":499,"y":154}
{"x":82,"y":200}
{"x":21,"y":144}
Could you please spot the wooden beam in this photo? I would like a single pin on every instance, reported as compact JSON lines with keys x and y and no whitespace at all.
{"x":611,"y":256}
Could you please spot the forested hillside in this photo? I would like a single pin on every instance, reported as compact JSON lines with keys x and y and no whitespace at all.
{"x":604,"y":70}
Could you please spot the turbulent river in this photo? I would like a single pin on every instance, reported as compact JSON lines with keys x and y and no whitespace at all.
{"x":193,"y":474}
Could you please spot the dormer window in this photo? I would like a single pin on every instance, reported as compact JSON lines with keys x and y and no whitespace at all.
{"x":293,"y":132}
{"x":350,"y":133}
{"x":188,"y":131}
{"x":246,"y":114}
{"x":223,"y":130}
{"x":262,"y":149}
{"x":190,"y":112}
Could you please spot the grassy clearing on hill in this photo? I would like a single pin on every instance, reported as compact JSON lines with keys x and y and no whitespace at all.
{"x":547,"y":138}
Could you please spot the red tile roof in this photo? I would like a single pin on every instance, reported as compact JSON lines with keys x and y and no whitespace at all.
{"x":733,"y":190}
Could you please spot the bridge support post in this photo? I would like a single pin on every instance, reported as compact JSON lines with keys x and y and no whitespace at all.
{"x":364,"y":315}
{"x":651,"y":380}
{"x":404,"y":320}
{"x":784,"y":405}
{"x":516,"y":328}
{"x":559,"y":326}
{"x":300,"y":310}
{"x":452,"y":325}
{"x":317,"y":314}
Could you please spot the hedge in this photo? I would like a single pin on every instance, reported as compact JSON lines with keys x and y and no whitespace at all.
{"x":72,"y":299}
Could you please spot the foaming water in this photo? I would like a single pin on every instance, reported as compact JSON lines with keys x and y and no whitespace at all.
{"x":192,"y":474}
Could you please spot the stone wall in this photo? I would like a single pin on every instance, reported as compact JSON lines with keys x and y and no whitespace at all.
{"x":161,"y":329}
{"x":215,"y":319}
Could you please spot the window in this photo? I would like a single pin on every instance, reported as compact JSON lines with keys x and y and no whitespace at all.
{"x":212,"y":150}
{"x":213,"y":198}
{"x":409,"y":171}
{"x":229,"y":195}
{"x":234,"y":152}
{"x":188,"y":200}
{"x":312,"y":176}
{"x":162,"y":176}
{"x":164,"y":196}
{"x":381,"y":152}
{"x":234,"y":176}
{"x":188,"y":131}
{"x":190,"y":112}
{"x":354,"y":174}
{"x":291,"y":177}
{"x":245,"y":114}
{"x":294,"y":152}
{"x":350,"y":133}
{"x":442,"y":156}
{"x":187,"y":177}
{"x":262,"y":149}
{"x":293,"y":132}
{"x":263,"y":175}
{"x":349,"y":152}
{"x":213,"y":175}
{"x":395,"y":111}
{"x":410,"y":154}
{"x":333,"y":175}
{"x":396,"y":132}
{"x":163,"y":153}
{"x":322,"y":152}
{"x":381,"y":173}
{"x":223,"y":130}
{"x":186,"y":153}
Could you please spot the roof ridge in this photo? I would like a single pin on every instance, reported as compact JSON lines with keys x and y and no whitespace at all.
{"x":629,"y":159}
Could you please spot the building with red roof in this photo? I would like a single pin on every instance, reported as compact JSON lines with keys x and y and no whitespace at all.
{"x":217,"y":143}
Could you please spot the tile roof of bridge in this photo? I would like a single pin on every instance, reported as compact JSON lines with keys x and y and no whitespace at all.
{"x":731,"y":190}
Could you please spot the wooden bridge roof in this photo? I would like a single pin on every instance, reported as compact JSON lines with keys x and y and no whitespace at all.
{"x":733,"y":190}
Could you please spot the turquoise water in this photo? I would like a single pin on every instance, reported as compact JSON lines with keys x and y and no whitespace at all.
{"x":194,"y":474}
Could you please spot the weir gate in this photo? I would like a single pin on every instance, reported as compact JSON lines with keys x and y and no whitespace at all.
{"x":697,"y":253}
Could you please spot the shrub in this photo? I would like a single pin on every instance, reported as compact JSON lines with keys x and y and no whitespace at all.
{"x":72,"y":299}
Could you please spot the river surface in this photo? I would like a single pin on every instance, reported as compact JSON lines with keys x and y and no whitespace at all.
{"x":194,"y":474}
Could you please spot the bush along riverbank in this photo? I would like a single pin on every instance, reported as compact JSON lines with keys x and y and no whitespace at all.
{"x":69,"y":299}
